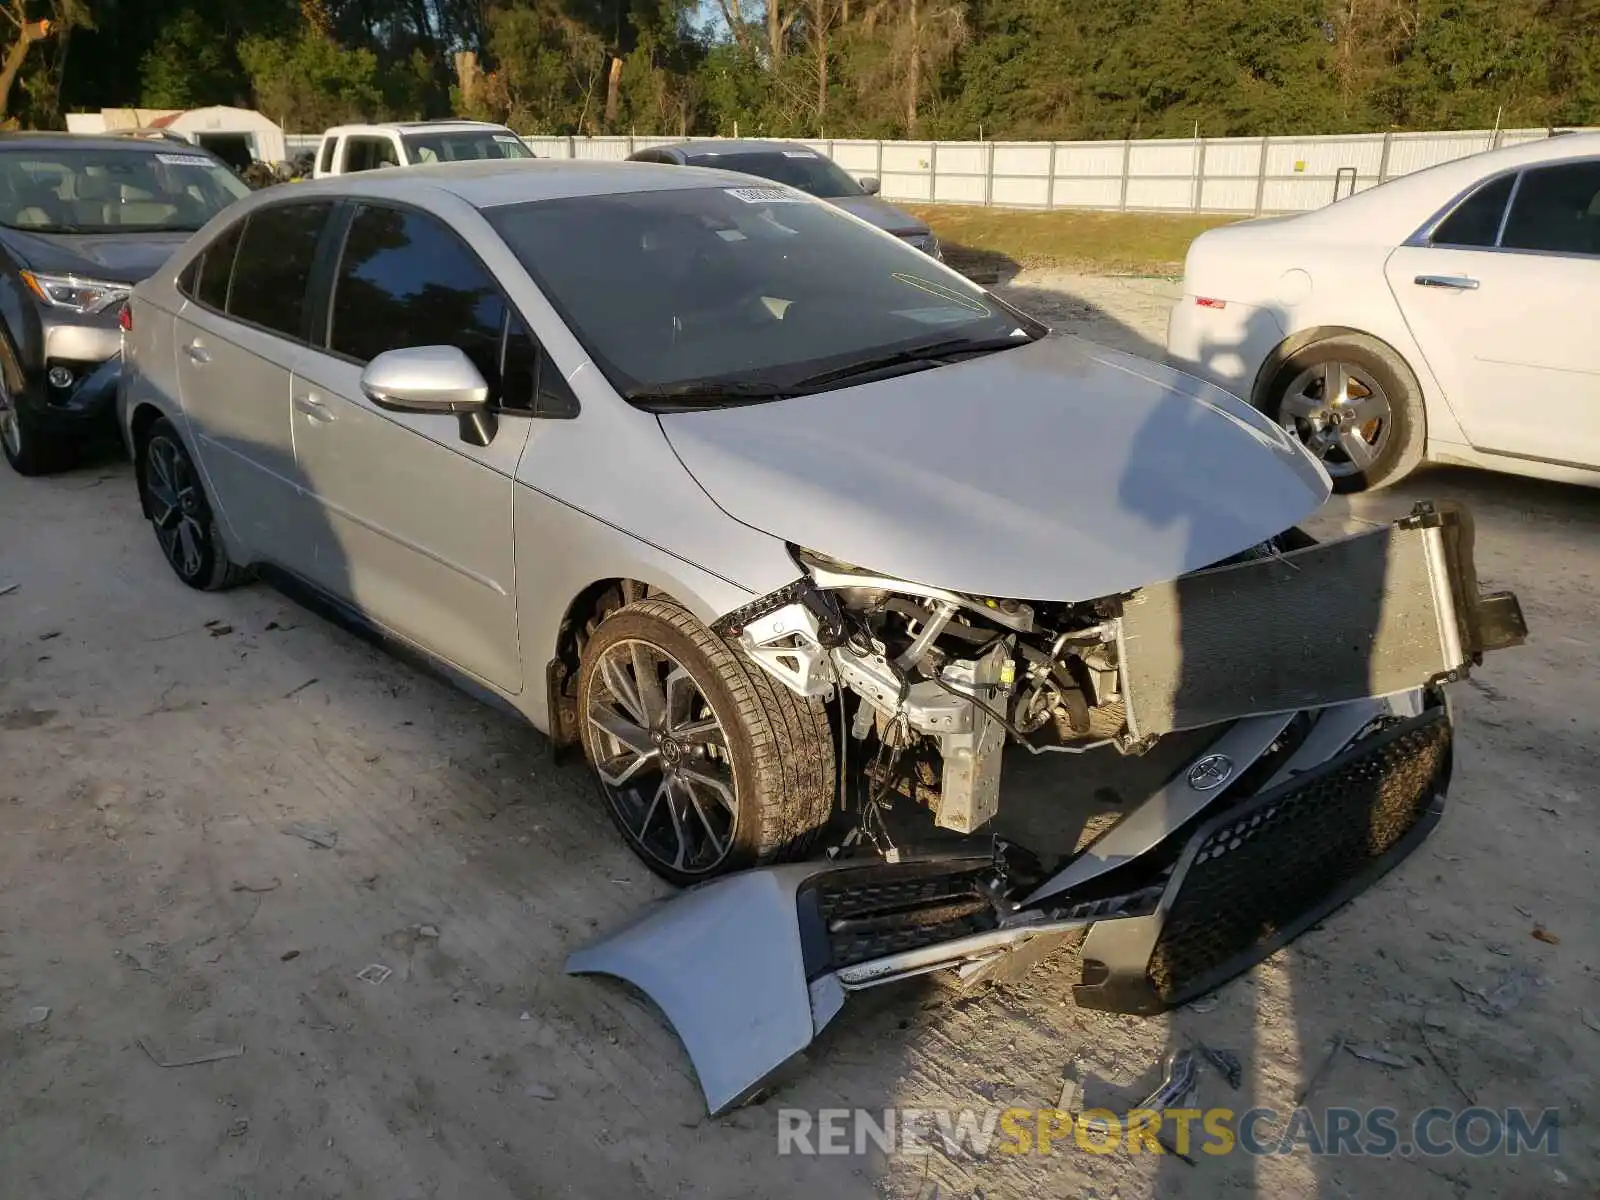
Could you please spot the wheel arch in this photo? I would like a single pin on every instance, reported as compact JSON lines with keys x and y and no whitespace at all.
{"x":1310,"y":336}
{"x":140,"y":422}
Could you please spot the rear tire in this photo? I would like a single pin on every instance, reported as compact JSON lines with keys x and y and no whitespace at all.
{"x":705,"y":763}
{"x":181,"y":514}
{"x":1354,"y":404}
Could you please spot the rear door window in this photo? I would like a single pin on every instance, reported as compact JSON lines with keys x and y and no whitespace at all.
{"x":1556,"y":210}
{"x":368,"y":153}
{"x":216,"y":269}
{"x":273,"y":267}
{"x":406,"y":280}
{"x":1476,"y":220}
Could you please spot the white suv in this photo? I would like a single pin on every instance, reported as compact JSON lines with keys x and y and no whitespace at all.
{"x":346,"y":149}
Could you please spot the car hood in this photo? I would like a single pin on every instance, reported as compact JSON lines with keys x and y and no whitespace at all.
{"x":880,"y":213}
{"x":1055,"y":471}
{"x":122,"y":258}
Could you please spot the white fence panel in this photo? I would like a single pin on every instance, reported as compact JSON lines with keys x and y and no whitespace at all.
{"x":1219,"y":175}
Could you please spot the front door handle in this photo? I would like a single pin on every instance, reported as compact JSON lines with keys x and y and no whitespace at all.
{"x":313,"y":408}
{"x":197,"y":352}
{"x":1455,"y":283}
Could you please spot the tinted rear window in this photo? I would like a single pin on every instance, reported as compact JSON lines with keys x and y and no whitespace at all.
{"x":216,"y":269}
{"x":274,"y":265}
{"x":1476,"y":220}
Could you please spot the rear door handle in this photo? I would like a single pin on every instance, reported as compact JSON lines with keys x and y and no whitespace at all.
{"x":313,"y":408}
{"x":1455,"y":283}
{"x":197,"y":352}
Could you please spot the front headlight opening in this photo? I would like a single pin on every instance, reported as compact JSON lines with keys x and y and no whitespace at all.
{"x":75,"y":294}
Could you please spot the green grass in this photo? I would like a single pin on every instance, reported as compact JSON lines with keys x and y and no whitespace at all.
{"x":1112,"y":243}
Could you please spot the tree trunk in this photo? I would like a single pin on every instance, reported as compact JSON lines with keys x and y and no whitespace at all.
{"x":775,"y":31}
{"x":613,"y":91}
{"x":29,"y":34}
{"x":914,"y":67}
{"x":821,"y":21}
{"x":732,"y":14}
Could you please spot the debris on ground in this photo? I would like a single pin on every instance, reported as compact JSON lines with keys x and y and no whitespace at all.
{"x":324,"y":836}
{"x":52,"y":635}
{"x":1377,"y":1054}
{"x":218,"y":628}
{"x":1226,"y":1062}
{"x":426,"y":931}
{"x":7,"y":588}
{"x":1434,"y":1019}
{"x":374,"y":973}
{"x":539,"y":1091}
{"x":289,"y":956}
{"x":1509,"y":990}
{"x":1591,"y":1019}
{"x":239,"y":1128}
{"x":37,"y":1015}
{"x":525,"y":1017}
{"x":1544,"y":935}
{"x":295,"y":691}
{"x":256,"y":885}
{"x":1321,"y":1072}
{"x":216,"y":1054}
{"x":1203,"y":1005}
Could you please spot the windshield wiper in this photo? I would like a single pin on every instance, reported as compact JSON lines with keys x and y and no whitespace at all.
{"x":931,"y":354}
{"x":698,"y":394}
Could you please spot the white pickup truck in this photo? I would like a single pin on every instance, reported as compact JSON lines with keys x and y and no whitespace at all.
{"x":348,"y":148}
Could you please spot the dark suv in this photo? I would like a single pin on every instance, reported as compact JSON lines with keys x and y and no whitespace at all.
{"x":82,"y":219}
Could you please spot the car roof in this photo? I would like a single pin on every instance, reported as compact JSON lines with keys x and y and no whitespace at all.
{"x":21,"y":141}
{"x":491,"y":183}
{"x":445,"y":126}
{"x":711,"y":147}
{"x":1397,"y":208}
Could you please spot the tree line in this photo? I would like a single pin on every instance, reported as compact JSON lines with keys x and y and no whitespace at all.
{"x":838,"y":68}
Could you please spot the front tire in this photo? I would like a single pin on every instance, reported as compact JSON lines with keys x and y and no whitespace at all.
{"x":1355,"y":405}
{"x":706,"y":764}
{"x":180,"y":513}
{"x":29,"y":449}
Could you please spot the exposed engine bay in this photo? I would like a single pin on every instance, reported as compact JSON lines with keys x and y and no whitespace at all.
{"x":939,"y":681}
{"x":1321,"y":757}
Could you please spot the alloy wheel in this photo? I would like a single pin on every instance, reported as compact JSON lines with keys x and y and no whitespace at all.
{"x":662,"y":757}
{"x":177,"y":508}
{"x":1341,"y":414}
{"x":10,"y":423}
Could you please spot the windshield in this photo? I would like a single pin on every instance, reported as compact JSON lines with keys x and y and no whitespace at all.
{"x":803,"y":169}
{"x":464,"y":146}
{"x":741,"y":287}
{"x":113,"y":191}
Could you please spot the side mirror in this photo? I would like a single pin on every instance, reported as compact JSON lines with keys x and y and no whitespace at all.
{"x":432,"y":379}
{"x":425,"y":379}
{"x":870,"y":185}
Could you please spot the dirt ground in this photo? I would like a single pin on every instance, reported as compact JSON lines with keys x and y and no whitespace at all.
{"x":170,"y":760}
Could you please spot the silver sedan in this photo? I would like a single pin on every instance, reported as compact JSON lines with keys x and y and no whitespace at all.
{"x":785,"y":523}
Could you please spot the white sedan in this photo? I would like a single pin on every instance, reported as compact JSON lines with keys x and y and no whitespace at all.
{"x":1452,"y":315}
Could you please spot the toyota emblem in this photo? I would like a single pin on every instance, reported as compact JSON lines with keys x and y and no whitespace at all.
{"x":1210,"y":772}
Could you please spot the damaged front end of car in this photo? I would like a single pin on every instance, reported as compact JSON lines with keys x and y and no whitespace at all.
{"x":1319,"y":665}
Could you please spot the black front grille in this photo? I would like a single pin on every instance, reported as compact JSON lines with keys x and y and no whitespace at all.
{"x":1257,"y":875}
{"x":853,"y":916}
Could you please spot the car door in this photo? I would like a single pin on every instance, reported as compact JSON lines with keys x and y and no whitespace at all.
{"x":238,"y":338}
{"x":1502,"y":302}
{"x":417,"y":518}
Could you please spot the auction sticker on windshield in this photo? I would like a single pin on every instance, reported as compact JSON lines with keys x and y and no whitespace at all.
{"x":761,"y":195}
{"x":184,"y":160}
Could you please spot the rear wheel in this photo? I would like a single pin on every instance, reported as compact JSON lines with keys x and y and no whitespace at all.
{"x":706,"y":764}
{"x":181,"y":514}
{"x":1355,"y":405}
